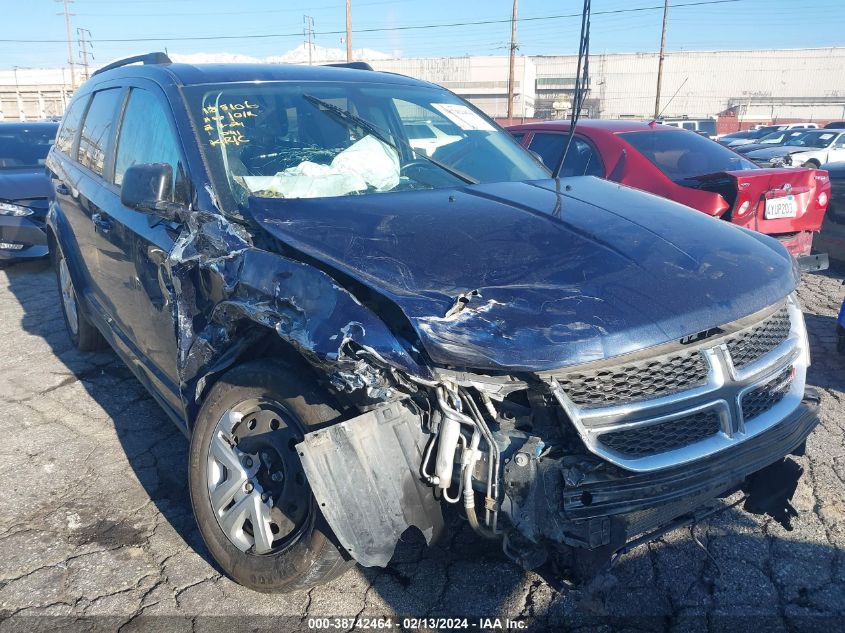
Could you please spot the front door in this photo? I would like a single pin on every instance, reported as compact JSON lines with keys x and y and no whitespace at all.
{"x":147,"y":135}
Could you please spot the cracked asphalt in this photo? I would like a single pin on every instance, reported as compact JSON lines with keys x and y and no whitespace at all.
{"x":96,"y":531}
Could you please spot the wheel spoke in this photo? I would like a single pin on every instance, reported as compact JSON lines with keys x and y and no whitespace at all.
{"x":231,"y":420}
{"x":232,"y":523}
{"x":260,"y":520}
{"x":223,"y":493}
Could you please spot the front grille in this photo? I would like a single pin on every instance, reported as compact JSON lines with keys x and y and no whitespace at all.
{"x":635,"y":381}
{"x":749,"y":345}
{"x":762,"y":398}
{"x":665,"y":436}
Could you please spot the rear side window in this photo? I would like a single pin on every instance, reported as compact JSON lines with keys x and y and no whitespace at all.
{"x":70,"y":125}
{"x":96,"y":132}
{"x":146,"y":136}
{"x":682,"y":156}
{"x":582,"y":159}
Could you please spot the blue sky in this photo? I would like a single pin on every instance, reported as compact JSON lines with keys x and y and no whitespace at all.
{"x":731,"y":24}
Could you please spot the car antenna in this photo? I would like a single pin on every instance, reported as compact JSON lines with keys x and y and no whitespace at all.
{"x":581,"y":81}
{"x":654,"y":120}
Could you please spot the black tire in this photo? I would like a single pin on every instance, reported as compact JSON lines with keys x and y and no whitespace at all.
{"x":811,"y":164}
{"x":312,"y":556}
{"x":85,"y":336}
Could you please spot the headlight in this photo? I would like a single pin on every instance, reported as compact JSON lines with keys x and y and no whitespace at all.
{"x":778,"y":160}
{"x":7,"y":208}
{"x":805,"y":339}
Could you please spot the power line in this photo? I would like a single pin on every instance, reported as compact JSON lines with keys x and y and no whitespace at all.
{"x":383,"y":29}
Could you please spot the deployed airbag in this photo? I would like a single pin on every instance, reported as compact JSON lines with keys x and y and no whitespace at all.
{"x":366,"y":163}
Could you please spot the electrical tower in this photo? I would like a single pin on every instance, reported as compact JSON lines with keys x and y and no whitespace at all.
{"x":308,"y":32}
{"x":85,"y":50}
{"x":348,"y":30}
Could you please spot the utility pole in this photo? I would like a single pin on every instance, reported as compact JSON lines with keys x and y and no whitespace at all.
{"x":512,"y":62}
{"x":84,"y":42}
{"x":660,"y":62}
{"x":67,"y":13}
{"x":308,"y":31}
{"x":348,"y":30}
{"x":21,"y":115}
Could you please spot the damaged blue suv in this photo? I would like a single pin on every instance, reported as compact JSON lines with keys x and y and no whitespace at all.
{"x":358,"y":324}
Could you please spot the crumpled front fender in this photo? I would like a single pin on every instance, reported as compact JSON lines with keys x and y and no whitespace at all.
{"x":220,"y":281}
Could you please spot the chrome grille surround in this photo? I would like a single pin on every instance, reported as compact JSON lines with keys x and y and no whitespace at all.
{"x":720,"y":395}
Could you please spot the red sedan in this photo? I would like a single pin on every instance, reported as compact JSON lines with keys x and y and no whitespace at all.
{"x":788,"y":204}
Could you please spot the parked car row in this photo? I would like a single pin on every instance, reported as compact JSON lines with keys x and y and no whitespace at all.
{"x":744,"y":137}
{"x":811,"y":148}
{"x":363,"y":301}
{"x":683,"y":166}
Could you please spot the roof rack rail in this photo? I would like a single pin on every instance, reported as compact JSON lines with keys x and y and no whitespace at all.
{"x":149,"y":58}
{"x":354,"y":65}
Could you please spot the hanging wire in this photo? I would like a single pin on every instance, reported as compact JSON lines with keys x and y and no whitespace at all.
{"x":581,"y":82}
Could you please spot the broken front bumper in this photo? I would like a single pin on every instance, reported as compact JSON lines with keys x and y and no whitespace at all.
{"x":610,"y":511}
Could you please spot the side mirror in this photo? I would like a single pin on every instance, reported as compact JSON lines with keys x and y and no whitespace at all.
{"x":148,"y":188}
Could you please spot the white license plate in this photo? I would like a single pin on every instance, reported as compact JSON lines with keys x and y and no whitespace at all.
{"x":781,"y":208}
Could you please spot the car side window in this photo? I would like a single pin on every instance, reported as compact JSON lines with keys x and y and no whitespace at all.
{"x":97,"y":129}
{"x":581,"y":160}
{"x":70,"y":125}
{"x":146,"y":136}
{"x":840,"y":142}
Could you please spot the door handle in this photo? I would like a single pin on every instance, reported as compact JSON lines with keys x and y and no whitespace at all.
{"x":101,"y":223}
{"x":62,"y":189}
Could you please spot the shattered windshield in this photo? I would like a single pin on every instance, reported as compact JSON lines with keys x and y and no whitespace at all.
{"x":318,"y":139}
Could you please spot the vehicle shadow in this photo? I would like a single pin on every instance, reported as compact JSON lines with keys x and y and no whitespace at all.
{"x":744,"y":573}
{"x":156,"y":450}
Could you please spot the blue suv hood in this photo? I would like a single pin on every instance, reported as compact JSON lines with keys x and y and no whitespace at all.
{"x":548,"y":273}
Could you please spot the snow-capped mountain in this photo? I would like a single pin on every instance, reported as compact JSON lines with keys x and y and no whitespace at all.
{"x":298,"y":55}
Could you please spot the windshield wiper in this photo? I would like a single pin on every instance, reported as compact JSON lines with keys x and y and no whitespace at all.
{"x":350,"y":119}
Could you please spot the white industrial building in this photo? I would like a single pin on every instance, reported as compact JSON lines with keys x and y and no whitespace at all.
{"x":751,"y":85}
